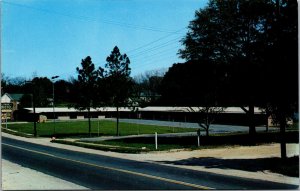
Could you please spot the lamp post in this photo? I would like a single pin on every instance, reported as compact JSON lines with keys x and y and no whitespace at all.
{"x":33,"y":105}
{"x":53,"y":78}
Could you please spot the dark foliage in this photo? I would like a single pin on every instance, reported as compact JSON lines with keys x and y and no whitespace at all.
{"x":115,"y":81}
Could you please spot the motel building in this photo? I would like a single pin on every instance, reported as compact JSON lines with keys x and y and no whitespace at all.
{"x":10,"y":111}
{"x":9,"y":104}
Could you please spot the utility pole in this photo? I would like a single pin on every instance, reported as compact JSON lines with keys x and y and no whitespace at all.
{"x":53,"y":78}
{"x":34,"y":117}
{"x":33,"y":105}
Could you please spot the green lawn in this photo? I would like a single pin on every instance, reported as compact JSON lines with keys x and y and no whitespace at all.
{"x":80,"y":128}
{"x":295,"y":126}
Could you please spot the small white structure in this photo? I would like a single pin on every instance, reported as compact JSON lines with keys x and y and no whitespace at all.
{"x":12,"y":98}
{"x":9,"y":103}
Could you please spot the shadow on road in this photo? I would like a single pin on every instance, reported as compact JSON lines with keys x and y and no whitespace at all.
{"x":289,"y":167}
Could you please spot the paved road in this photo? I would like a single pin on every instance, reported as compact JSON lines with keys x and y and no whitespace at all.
{"x":214,"y":128}
{"x":103,"y":172}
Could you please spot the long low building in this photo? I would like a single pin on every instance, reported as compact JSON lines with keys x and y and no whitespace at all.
{"x":237,"y":110}
{"x":230,"y":115}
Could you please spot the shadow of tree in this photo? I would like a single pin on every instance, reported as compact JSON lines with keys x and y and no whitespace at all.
{"x":289,"y":167}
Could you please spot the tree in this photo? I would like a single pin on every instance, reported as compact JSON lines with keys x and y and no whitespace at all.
{"x":42,"y":87}
{"x":230,"y":34}
{"x":256,"y":42}
{"x":194,"y":83}
{"x":26,"y":101}
{"x":148,"y":86}
{"x":207,"y":115}
{"x":116,"y":80}
{"x":281,"y":56}
{"x":63,"y":92}
{"x":12,"y":85}
{"x":86,"y":87}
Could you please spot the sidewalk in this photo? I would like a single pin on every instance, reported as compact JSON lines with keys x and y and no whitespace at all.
{"x":16,"y":177}
{"x":198,"y":159}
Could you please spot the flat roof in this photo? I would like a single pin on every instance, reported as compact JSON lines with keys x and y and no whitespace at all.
{"x":160,"y":109}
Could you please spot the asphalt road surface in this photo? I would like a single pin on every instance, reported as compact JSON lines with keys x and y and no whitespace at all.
{"x":214,"y":128}
{"x":103,"y":172}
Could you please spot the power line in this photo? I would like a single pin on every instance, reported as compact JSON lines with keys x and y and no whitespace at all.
{"x":152,"y":61}
{"x":159,"y":39}
{"x":142,"y":48}
{"x":84,"y":18}
{"x":157,"y":47}
{"x":156,"y":54}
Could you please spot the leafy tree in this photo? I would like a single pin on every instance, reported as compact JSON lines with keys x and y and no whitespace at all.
{"x":116,"y":80}
{"x":41,"y":87}
{"x":86,"y":87}
{"x":230,"y":34}
{"x":194,"y":83}
{"x":12,"y":85}
{"x":26,"y":101}
{"x":255,"y":42}
{"x":281,"y":64}
{"x":63,"y":94}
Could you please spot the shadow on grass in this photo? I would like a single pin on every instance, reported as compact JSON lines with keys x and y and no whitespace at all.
{"x":288,"y":167}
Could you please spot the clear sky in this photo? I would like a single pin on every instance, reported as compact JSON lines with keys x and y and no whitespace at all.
{"x":50,"y":37}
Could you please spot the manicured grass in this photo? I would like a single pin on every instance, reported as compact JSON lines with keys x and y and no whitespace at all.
{"x":113,"y":148}
{"x":295,"y":126}
{"x":80,"y":128}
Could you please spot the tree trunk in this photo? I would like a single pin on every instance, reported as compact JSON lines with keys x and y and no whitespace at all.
{"x":89,"y":117}
{"x":118,"y":115}
{"x":282,"y":137}
{"x":206,"y":130}
{"x":251,"y":118}
{"x":267,"y":125}
{"x":34,"y":117}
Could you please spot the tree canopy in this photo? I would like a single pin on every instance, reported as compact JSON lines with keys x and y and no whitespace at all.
{"x":86,"y":87}
{"x":116,"y":81}
{"x":253,"y":46}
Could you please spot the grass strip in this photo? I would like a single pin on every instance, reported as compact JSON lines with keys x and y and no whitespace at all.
{"x":17,"y":133}
{"x":102,"y":147}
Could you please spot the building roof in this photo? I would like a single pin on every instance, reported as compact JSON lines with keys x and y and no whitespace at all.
{"x":14,"y":97}
{"x":235,"y":110}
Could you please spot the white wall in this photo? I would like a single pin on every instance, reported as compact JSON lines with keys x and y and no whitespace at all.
{"x":5,"y":99}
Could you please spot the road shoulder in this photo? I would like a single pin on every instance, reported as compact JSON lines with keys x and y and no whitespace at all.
{"x":170,"y":158}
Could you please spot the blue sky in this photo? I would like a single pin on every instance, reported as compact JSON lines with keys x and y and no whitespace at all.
{"x":50,"y":37}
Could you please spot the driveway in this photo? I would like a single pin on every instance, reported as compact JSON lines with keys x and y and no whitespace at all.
{"x":214,"y":128}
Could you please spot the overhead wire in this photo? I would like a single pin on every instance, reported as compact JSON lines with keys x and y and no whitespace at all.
{"x":147,"y":63}
{"x":159,"y":39}
{"x":156,"y":54}
{"x":157,"y":47}
{"x":142,"y":48}
{"x":85,"y":18}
